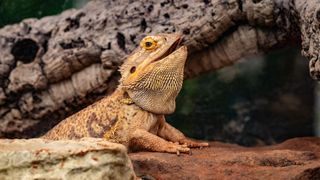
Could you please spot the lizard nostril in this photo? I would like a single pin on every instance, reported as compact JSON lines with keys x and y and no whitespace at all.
{"x":133,"y":69}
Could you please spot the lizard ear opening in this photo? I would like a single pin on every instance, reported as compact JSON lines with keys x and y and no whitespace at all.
{"x":133,"y":69}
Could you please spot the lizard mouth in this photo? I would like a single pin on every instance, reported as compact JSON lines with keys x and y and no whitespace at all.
{"x":170,"y":50}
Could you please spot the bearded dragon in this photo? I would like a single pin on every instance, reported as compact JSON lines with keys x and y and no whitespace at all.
{"x":133,"y":115}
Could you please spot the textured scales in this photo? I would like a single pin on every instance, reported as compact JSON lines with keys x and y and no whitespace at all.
{"x":133,"y":115}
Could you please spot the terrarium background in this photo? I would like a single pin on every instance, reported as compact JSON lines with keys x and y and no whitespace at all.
{"x":261,"y":100}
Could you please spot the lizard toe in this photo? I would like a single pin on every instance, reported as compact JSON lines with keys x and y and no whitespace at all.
{"x":176,"y":148}
{"x":194,"y":144}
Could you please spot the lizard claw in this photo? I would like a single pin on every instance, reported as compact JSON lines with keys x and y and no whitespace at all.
{"x":177,"y":148}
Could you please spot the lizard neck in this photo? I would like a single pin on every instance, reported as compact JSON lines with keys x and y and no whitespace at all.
{"x":149,"y":101}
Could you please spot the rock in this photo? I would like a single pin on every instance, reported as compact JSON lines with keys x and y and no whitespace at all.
{"x":293,"y":159}
{"x":44,"y":159}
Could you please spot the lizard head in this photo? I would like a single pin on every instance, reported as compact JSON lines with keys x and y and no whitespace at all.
{"x":153,"y":74}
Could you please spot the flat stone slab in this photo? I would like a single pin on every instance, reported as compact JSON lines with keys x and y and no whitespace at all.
{"x":297,"y":158}
{"x":88,"y":158}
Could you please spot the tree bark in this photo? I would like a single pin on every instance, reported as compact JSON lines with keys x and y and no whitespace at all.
{"x":52,"y":67}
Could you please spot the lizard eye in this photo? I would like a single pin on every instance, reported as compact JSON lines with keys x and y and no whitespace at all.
{"x":148,"y":43}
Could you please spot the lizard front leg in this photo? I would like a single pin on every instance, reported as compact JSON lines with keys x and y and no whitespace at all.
{"x":142,"y":139}
{"x":172,"y":134}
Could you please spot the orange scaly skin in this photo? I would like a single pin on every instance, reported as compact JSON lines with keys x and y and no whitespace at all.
{"x":133,"y":115}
